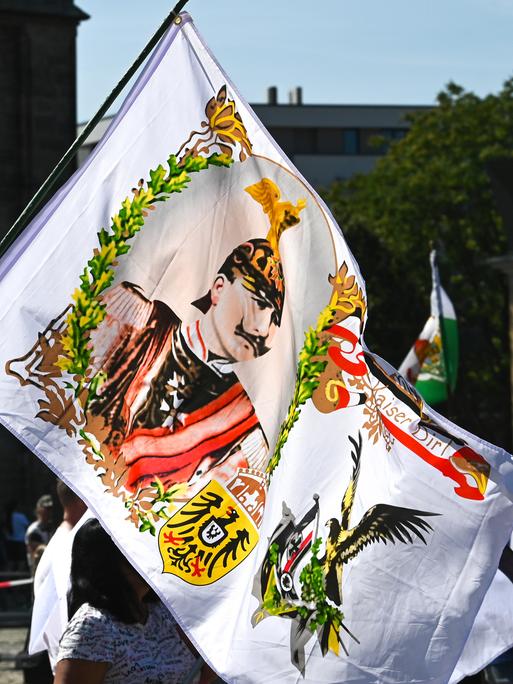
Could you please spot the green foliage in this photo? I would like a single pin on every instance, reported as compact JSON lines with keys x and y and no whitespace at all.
{"x":147,"y":524}
{"x":165,"y":497}
{"x":274,"y":604}
{"x":273,"y":553}
{"x":161,"y":504}
{"x":313,"y":594}
{"x":88,"y":311}
{"x":309,"y":368}
{"x":433,"y":186}
{"x":92,"y":444}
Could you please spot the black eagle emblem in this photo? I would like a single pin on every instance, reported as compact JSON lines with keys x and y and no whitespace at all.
{"x":381,"y":523}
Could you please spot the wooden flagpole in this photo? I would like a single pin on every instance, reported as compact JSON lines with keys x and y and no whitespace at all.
{"x":50,"y":183}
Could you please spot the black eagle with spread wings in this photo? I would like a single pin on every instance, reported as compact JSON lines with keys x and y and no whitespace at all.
{"x":381,"y":523}
{"x":312,"y":596}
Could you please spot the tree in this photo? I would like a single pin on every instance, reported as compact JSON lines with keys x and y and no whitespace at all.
{"x":432,"y":186}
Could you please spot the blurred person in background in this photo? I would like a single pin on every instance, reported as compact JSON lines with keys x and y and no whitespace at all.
{"x":52,"y":579}
{"x":50,"y":564}
{"x":39,"y":532}
{"x":15,"y":527}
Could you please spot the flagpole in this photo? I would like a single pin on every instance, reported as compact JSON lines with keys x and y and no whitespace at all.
{"x":436,"y":282}
{"x":49,"y":184}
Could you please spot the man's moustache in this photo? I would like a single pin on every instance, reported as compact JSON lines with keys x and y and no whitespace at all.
{"x":256,"y":341}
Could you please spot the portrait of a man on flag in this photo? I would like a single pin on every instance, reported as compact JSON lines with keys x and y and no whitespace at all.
{"x":163,"y":396}
{"x":171,"y":402}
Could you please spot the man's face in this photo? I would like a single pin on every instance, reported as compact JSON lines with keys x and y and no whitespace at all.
{"x":44,"y":513}
{"x":244,"y":324}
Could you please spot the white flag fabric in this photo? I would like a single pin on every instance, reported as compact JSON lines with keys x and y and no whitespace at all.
{"x":182,"y":342}
{"x":492,"y":631}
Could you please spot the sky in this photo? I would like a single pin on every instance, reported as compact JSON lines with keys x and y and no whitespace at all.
{"x":339,"y":51}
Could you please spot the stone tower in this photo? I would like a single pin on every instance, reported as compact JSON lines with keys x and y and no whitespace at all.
{"x":37,"y":125}
{"x":37,"y":95}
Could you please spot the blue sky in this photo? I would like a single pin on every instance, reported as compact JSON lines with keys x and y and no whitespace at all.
{"x":364,"y":51}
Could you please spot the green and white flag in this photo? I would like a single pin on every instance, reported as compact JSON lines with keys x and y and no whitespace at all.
{"x":432,"y":363}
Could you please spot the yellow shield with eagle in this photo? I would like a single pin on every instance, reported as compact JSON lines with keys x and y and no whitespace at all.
{"x":208,"y":537}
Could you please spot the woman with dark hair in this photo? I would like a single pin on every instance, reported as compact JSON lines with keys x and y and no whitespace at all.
{"x":119,"y":631}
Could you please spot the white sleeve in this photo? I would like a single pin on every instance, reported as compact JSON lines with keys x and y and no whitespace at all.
{"x":88,"y":636}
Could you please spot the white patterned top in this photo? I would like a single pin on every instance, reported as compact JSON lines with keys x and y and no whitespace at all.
{"x":152,"y":653}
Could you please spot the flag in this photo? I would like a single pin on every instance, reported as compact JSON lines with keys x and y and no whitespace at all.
{"x":432,"y":363}
{"x":432,"y":372}
{"x":492,"y":631}
{"x":182,"y":341}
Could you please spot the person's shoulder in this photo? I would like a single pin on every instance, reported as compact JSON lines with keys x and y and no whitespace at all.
{"x":55,"y":541}
{"x":158,"y":607}
{"x":163,"y":314}
{"x":34,"y":525}
{"x":88,"y":636}
{"x":89,"y":612}
{"x":162,"y":615}
{"x":128,"y":304}
{"x":88,"y":617}
{"x":33,"y":533}
{"x":20,"y":517}
{"x":88,"y":623}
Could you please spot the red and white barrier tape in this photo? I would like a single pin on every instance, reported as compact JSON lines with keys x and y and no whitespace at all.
{"x":15,"y":583}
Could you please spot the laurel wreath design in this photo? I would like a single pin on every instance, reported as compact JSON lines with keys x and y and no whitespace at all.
{"x":345,"y":300}
{"x":222,"y":129}
{"x":309,"y":370}
{"x":88,"y":310}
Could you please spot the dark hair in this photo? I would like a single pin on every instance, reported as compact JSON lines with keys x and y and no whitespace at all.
{"x":97,"y":575}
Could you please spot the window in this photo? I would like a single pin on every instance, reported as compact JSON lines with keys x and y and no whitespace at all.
{"x":305,"y":140}
{"x":350,"y":141}
{"x":337,"y":141}
{"x":376,"y":141}
{"x":397,"y":133}
{"x":285,"y":139}
{"x":295,"y":140}
{"x":372,"y":142}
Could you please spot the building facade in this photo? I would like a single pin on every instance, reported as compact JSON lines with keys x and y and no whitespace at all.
{"x":37,"y":95}
{"x":325,"y":142}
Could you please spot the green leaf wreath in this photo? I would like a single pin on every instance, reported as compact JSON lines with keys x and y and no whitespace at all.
{"x":309,"y":368}
{"x":89,"y":311}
